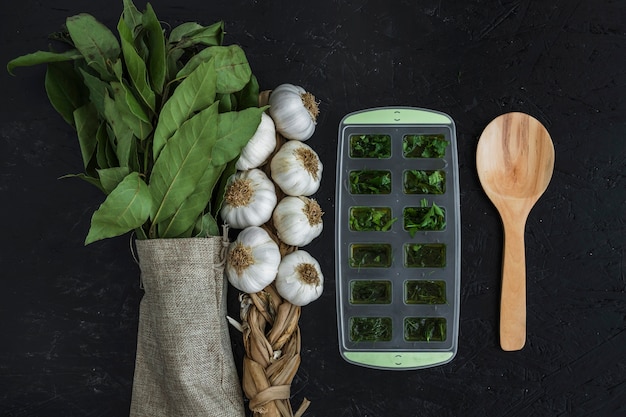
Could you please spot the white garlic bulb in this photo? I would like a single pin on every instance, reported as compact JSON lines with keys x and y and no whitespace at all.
{"x":252,"y":260}
{"x":299,"y":279}
{"x":249,"y":200}
{"x":296,"y":169}
{"x":294,"y":111}
{"x":298,"y":220}
{"x":260,"y":146}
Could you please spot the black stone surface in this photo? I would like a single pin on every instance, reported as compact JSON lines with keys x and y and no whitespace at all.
{"x":68,"y":313}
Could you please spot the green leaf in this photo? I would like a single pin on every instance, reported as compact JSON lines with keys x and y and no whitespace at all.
{"x":195,"y":93}
{"x":126,"y":208}
{"x":207,"y":226}
{"x":220,"y":191}
{"x":95,"y":41}
{"x":105,"y":152}
{"x":234,"y":131}
{"x":231,"y":66}
{"x":135,"y":65}
{"x":117,"y":115}
{"x":183,"y":161}
{"x":192,"y":208}
{"x":121,"y":117}
{"x":65,"y":89}
{"x":97,"y":90}
{"x":132,"y":16}
{"x":111,"y":177}
{"x":191,"y":33}
{"x":87,"y":178}
{"x":87,"y":124}
{"x":42,"y":57}
{"x":249,"y":95}
{"x":155,"y":41}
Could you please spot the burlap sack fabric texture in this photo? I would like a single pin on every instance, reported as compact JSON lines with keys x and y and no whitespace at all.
{"x":184,"y":364}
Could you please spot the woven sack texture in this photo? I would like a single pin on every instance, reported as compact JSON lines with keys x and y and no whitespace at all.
{"x":184,"y":364}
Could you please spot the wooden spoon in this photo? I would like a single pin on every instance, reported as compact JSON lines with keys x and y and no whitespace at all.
{"x":515,"y":160}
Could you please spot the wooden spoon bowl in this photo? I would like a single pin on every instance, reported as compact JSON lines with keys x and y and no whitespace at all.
{"x":515,"y":161}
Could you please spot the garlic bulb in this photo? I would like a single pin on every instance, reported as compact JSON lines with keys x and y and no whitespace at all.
{"x":252,"y":260}
{"x":260,"y":146}
{"x":249,"y":200}
{"x":298,"y":220}
{"x":296,"y":169}
{"x":294,"y":111}
{"x":299,"y":279}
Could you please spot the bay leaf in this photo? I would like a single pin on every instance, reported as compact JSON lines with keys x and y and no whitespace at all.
{"x":182,"y":163}
{"x":132,"y":17}
{"x":190,"y":33}
{"x":194,"y":93}
{"x":65,"y":89}
{"x":231,"y":66}
{"x":126,"y":208}
{"x":219,"y":192}
{"x":87,"y":124}
{"x":192,"y":208}
{"x":235,"y":129}
{"x":111,"y":177}
{"x":97,"y":90}
{"x":135,"y":64}
{"x":43,"y":57}
{"x":207,"y":226}
{"x":95,"y":42}
{"x":155,"y":42}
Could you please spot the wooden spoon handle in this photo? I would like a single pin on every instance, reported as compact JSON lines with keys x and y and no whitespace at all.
{"x":513,"y":297}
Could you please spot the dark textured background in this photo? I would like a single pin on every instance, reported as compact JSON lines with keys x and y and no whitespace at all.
{"x":68,"y":313}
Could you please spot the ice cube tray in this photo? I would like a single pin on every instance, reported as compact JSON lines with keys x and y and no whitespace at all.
{"x":398,"y":240}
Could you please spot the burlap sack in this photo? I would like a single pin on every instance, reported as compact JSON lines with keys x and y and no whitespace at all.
{"x":184,"y":364}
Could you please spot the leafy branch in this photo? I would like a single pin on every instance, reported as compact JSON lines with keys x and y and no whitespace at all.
{"x":160,"y":118}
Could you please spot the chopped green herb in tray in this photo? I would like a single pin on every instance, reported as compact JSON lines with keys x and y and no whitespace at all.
{"x":370,"y":182}
{"x":425,"y":329}
{"x":424,"y":218}
{"x":424,"y":182}
{"x":425,"y":292}
{"x":370,"y":292}
{"x":371,"y":219}
{"x":425,"y":255}
{"x":424,"y":146}
{"x":370,"y":329}
{"x":370,"y":146}
{"x":375,"y":255}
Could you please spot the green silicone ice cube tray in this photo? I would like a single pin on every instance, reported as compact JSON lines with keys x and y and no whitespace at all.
{"x":398,"y":240}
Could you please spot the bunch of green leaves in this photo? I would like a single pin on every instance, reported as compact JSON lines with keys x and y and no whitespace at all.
{"x":370,"y":292}
{"x":161,"y":118}
{"x":370,"y":329}
{"x":424,"y":146}
{"x":370,"y":146}
{"x":424,"y":218}
{"x":425,"y":255}
{"x":425,"y":329}
{"x":371,"y":219}
{"x":424,"y":182}
{"x":370,"y":182}
{"x":370,"y":255}
{"x":425,"y":292}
